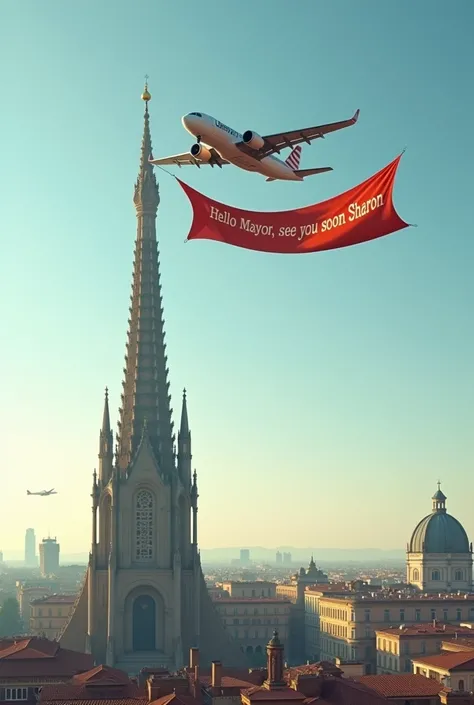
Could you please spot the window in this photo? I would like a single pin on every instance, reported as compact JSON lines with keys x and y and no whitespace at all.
{"x":407,"y":666}
{"x":353,"y":633}
{"x":402,"y":615}
{"x":353,"y":617}
{"x":458,"y":575}
{"x":460,"y":685}
{"x":16,"y":693}
{"x":435,"y":575}
{"x":367,"y":615}
{"x":458,"y":615}
{"x":416,"y":575}
{"x":144,"y":526}
{"x":423,"y":647}
{"x":417,"y":615}
{"x":386,"y":615}
{"x":433,"y":614}
{"x":445,"y":615}
{"x":367,"y":632}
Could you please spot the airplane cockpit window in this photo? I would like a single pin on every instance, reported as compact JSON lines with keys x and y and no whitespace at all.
{"x":196,"y":114}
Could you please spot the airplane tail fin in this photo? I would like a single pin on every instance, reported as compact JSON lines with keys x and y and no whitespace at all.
{"x":303,"y":173}
{"x":293,"y":160}
{"x":28,"y":492}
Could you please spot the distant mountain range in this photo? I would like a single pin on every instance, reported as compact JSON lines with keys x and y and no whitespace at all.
{"x":300,"y":556}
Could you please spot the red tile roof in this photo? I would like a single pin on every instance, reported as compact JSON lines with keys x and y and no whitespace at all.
{"x":227,"y":682}
{"x":176,"y":699}
{"x":258,"y":693}
{"x":450,"y":661}
{"x":427,"y":629}
{"x":33,"y":657}
{"x":465,"y":643}
{"x":401,"y":686}
{"x":101,"y":684}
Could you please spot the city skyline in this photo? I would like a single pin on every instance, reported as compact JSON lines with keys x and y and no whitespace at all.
{"x":330,"y":388}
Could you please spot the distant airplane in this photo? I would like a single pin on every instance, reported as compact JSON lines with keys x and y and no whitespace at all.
{"x":218,"y":145}
{"x":43,"y":493}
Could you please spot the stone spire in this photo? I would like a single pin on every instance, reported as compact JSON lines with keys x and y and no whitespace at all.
{"x":184,"y":445}
{"x":106,"y":447}
{"x":145,"y":386}
{"x":184,"y":426}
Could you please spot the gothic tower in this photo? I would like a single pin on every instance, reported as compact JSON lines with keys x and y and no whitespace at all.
{"x":144,"y":600}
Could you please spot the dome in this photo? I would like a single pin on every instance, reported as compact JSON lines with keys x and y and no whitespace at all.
{"x":439,"y":532}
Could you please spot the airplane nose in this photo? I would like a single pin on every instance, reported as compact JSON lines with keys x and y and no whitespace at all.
{"x":185,"y":120}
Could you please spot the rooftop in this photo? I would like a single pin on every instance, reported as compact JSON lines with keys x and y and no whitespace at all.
{"x":449,"y":661}
{"x":401,"y":686}
{"x":464,"y":643}
{"x":425,"y":629}
{"x":100,"y":685}
{"x":55,"y":600}
{"x":254,"y":600}
{"x":397,"y":597}
{"x":34,"y":657}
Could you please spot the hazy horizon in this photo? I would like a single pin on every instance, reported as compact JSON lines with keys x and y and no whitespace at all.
{"x":327,"y":393}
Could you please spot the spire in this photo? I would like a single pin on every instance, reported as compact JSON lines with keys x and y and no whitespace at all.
{"x":106,"y":415}
{"x":105,"y":440}
{"x":184,"y":427}
{"x":145,"y":385}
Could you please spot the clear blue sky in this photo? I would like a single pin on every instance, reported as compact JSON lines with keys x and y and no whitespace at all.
{"x":327,"y":392}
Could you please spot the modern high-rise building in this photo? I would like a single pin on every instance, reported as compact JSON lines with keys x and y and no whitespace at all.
{"x":30,"y":548}
{"x":244,"y":556}
{"x":287,"y":558}
{"x":49,"y":556}
{"x":144,"y":599}
{"x":278,"y":558}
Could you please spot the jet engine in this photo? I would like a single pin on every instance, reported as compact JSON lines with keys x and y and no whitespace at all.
{"x":200,"y":152}
{"x":251,"y":139}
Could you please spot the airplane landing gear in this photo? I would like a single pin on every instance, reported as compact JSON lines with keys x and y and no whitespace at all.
{"x":198,"y":139}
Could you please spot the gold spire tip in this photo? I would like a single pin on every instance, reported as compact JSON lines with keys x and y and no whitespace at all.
{"x":146,"y":95}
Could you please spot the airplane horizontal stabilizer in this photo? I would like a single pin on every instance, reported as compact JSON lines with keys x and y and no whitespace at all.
{"x":309,"y":172}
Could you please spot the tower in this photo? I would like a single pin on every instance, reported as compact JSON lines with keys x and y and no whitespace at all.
{"x":49,"y":556}
{"x":30,"y":548}
{"x":144,"y":600}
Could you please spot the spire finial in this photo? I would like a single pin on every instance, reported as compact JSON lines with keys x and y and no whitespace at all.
{"x":439,"y":484}
{"x":184,"y":427}
{"x":146,"y":95}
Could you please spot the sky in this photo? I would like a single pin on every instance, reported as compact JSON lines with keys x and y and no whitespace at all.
{"x":327,"y":392}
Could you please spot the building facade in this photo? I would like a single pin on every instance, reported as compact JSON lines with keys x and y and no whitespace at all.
{"x":144,"y":599}
{"x":439,"y":555}
{"x":251,"y":622}
{"x":249,"y":588}
{"x":348,"y":624}
{"x":398,"y":647}
{"x":49,"y":556}
{"x":49,"y":615}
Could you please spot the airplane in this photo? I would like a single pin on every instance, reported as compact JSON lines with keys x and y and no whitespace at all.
{"x":43,"y":493}
{"x":217,"y":145}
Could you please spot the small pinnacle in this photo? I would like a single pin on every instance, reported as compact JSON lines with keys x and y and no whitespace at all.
{"x":106,"y":392}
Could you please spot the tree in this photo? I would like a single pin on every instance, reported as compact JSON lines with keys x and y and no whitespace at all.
{"x":10,"y":619}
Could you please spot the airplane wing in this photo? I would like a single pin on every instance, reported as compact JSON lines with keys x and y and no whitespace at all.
{"x":281,"y":140}
{"x":187,"y":159}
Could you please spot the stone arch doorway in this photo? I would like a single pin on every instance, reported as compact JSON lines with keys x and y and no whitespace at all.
{"x":144,"y":623}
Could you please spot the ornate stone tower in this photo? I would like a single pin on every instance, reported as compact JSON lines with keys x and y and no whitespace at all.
{"x":144,"y":601}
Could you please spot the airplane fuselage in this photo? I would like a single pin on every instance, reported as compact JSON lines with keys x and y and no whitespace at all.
{"x":215,"y":134}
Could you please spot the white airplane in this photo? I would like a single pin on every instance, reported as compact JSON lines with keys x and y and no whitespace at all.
{"x":43,"y":493}
{"x":217,"y":144}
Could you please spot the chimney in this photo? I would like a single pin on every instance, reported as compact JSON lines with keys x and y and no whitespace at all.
{"x":216,"y":681}
{"x":193,"y":657}
{"x":153,"y":690}
{"x":196,"y":683}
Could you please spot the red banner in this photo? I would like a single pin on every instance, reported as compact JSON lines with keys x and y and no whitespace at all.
{"x":364,"y":213}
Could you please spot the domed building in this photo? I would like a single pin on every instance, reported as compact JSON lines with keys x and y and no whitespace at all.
{"x":439,"y":555}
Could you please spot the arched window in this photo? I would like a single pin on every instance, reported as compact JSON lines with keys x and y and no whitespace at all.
{"x":461,"y":685}
{"x":144,"y":526}
{"x":416,"y":575}
{"x":458,"y":575}
{"x":435,"y":575}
